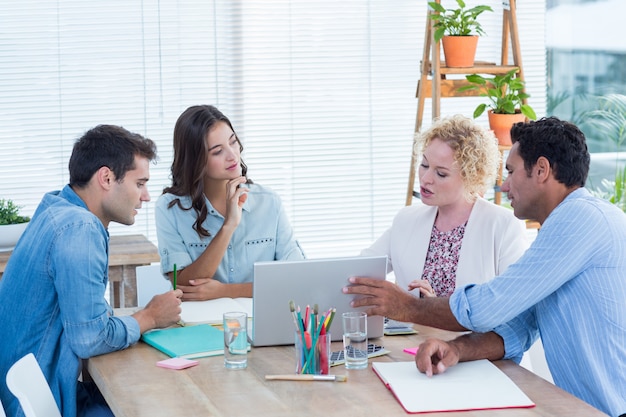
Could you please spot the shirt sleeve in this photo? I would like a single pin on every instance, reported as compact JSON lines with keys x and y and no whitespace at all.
{"x":568,"y":239}
{"x":518,"y":334}
{"x":79,"y":263}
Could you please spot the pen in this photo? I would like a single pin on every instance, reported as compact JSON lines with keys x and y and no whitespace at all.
{"x":307,"y":377}
{"x":174,"y":276}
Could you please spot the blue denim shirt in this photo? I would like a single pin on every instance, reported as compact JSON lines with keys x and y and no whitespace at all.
{"x":264,"y":234}
{"x":52,"y":299}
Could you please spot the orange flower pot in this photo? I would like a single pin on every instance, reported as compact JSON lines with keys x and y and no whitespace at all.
{"x":501,"y":125}
{"x":459,"y":50}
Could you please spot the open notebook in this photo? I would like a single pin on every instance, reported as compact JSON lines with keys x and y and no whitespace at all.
{"x":475,"y":385}
{"x":211,"y":311}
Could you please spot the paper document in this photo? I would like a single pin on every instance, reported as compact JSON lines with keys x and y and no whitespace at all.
{"x":211,"y":311}
{"x":475,"y":385}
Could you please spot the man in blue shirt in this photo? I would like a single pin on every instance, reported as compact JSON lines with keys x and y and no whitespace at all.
{"x":52,"y":291}
{"x":569,"y":286}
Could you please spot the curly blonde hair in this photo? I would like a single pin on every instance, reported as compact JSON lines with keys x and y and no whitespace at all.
{"x":475,"y":150}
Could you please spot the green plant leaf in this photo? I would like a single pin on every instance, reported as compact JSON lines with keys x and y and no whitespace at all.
{"x":9,"y":213}
{"x":437,"y":7}
{"x":505,"y":93}
{"x":480,"y":109}
{"x":528,"y":112}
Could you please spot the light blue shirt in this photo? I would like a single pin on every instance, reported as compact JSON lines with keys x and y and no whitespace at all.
{"x":52,"y":299}
{"x":569,"y":287}
{"x":264,"y":234}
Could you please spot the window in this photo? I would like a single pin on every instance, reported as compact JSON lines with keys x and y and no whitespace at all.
{"x":322,"y":94}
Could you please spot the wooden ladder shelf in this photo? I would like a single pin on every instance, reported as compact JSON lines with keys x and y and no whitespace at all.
{"x":434,"y":84}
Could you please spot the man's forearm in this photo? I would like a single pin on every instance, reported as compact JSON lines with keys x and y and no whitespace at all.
{"x":433,"y":312}
{"x":473,"y":346}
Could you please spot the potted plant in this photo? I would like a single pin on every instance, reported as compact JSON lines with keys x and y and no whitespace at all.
{"x":12,"y":224}
{"x":506,"y":102}
{"x":459,"y":29}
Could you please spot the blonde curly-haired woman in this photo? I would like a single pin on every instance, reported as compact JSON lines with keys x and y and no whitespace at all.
{"x":455,"y":236}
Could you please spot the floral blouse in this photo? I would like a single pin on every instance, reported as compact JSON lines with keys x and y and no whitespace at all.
{"x":442,"y":259}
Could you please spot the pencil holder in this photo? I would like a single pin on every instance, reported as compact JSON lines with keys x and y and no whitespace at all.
{"x":312,"y":353}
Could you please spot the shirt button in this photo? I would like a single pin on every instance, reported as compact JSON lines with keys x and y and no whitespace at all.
{"x":232,"y":269}
{"x":230,"y":246}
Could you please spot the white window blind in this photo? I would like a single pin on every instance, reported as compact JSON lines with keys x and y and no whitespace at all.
{"x":321,"y":93}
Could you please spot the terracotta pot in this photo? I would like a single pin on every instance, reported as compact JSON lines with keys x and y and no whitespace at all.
{"x":459,"y":50}
{"x":501,"y":125}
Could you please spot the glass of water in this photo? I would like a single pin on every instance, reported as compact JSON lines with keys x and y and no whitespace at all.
{"x":355,"y":339}
{"x":235,"y":340}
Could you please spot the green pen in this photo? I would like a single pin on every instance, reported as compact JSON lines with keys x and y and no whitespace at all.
{"x":174,"y":276}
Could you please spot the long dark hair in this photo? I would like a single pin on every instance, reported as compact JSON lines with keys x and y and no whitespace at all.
{"x":190,"y":159}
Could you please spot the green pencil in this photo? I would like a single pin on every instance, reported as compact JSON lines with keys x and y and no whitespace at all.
{"x":174,"y":276}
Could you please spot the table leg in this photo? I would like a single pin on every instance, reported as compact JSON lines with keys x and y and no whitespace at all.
{"x":123,"y":286}
{"x":129,"y":286}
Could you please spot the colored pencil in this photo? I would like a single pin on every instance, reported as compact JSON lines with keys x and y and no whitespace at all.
{"x":307,"y":377}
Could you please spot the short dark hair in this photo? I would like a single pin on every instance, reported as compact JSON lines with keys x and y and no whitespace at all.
{"x":110,"y":146}
{"x":560,"y":142}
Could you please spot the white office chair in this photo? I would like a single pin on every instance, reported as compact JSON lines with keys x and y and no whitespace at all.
{"x":2,"y":414}
{"x":150,"y":282}
{"x":27,"y":382}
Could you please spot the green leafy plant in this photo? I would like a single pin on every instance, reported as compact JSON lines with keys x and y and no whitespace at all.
{"x":505,"y":93}
{"x":456,"y":22}
{"x":9,"y":213}
{"x":614,"y":191}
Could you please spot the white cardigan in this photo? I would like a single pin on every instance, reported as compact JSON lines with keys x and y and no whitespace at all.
{"x":494,"y":238}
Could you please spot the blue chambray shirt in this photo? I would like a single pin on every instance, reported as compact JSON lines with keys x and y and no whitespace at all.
{"x":569,"y":287}
{"x":52,"y":298}
{"x":264,"y":234}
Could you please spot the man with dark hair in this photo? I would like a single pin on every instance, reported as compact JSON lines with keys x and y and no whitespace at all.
{"x":569,"y":286}
{"x":52,"y":292}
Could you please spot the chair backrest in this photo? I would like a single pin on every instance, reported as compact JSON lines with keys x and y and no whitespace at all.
{"x":150,"y":282}
{"x":2,"y":413}
{"x":27,"y":382}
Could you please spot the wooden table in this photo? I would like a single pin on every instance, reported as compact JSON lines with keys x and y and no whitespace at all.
{"x":134,"y":386}
{"x":125,"y":254}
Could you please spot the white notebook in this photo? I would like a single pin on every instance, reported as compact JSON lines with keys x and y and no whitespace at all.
{"x":475,"y":385}
{"x":211,"y":311}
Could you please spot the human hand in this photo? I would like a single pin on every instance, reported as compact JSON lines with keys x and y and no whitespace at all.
{"x":383,"y":298}
{"x":162,"y":311}
{"x":236,"y":196}
{"x":424,"y":287}
{"x":202,"y":289}
{"x":434,"y":356}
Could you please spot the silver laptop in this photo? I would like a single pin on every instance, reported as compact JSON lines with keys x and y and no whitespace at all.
{"x":308,"y":282}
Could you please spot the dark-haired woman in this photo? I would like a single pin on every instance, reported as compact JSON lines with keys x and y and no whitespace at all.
{"x":212,"y":222}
